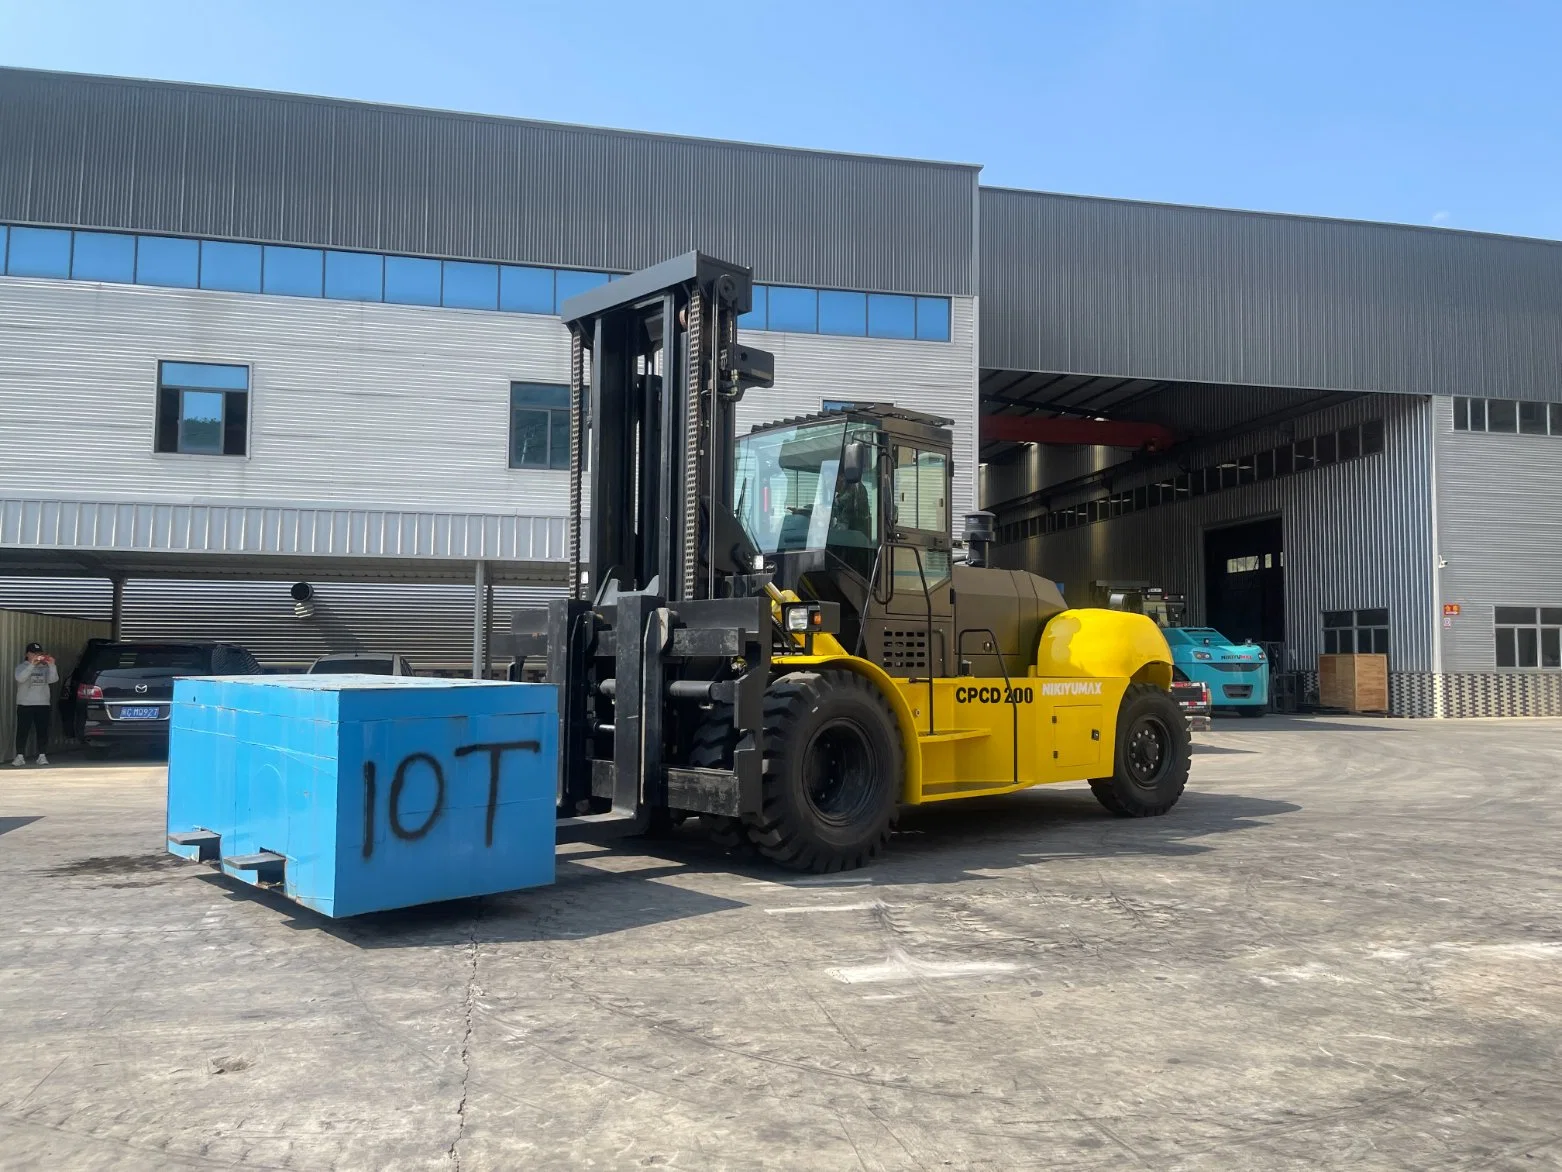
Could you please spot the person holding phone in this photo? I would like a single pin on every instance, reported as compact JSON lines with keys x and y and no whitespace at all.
{"x":35,"y":675}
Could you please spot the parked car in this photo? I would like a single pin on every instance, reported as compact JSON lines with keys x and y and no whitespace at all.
{"x":1237,"y":673}
{"x":1192,"y":697}
{"x":124,"y":691}
{"x":368,"y":663}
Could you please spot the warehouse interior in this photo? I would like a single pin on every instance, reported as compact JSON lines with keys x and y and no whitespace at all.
{"x":1196,"y":489}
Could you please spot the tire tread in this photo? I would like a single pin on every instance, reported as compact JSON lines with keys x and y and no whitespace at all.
{"x":1116,"y":793}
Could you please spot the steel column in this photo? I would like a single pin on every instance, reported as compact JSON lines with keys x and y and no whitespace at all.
{"x":116,"y":612}
{"x":480,"y":598}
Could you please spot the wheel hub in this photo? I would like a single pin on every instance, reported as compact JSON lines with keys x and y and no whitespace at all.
{"x":838,"y":771}
{"x":1147,"y":745}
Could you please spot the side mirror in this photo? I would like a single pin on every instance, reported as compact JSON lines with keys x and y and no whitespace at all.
{"x":854,"y":464}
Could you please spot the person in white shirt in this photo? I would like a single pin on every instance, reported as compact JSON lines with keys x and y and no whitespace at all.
{"x":35,"y":675}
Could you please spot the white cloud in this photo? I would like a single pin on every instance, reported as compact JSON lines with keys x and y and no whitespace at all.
{"x":1442,"y":217}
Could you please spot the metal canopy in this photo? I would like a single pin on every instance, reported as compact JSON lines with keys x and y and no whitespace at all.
{"x":1194,"y":411}
{"x":42,"y":562}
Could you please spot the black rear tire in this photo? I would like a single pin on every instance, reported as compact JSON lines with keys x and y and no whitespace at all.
{"x":832,"y":774}
{"x":1152,"y":755}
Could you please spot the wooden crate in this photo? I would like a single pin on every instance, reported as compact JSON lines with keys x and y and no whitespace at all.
{"x":1356,"y":683}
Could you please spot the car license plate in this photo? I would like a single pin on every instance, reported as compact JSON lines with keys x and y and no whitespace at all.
{"x":129,"y":713}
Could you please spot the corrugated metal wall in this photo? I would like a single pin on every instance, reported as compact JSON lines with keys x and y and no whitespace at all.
{"x":379,"y":405}
{"x":400,"y":412}
{"x":431,"y":625}
{"x":62,"y":636}
{"x":1357,"y":534}
{"x":1111,"y":287}
{"x":156,"y":157}
{"x":1499,"y":521}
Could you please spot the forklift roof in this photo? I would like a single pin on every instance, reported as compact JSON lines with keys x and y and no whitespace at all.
{"x":635,"y":288}
{"x":877,"y":412}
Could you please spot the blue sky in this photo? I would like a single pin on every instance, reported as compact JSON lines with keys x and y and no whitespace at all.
{"x":1425,"y":112}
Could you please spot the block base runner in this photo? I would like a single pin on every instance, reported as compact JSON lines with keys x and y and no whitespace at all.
{"x":351,"y":794}
{"x":1425,"y":694}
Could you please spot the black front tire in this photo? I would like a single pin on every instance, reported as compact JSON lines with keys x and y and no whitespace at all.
{"x":711,"y":748}
{"x":832,"y":774}
{"x":1152,"y":756}
{"x":1252,"y":711}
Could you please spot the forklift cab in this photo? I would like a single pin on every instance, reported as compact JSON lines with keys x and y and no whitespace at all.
{"x":852,"y":506}
{"x":1168,"y":610}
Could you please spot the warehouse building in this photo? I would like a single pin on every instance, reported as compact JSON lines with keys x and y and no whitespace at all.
{"x":251,"y":340}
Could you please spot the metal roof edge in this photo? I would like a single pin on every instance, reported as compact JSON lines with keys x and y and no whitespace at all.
{"x":1310,"y":217}
{"x":501,"y":119}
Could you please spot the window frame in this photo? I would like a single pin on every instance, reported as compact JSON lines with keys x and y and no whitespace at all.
{"x":1540,"y":625}
{"x":175,"y":244}
{"x":228,"y":265}
{"x":104,"y":236}
{"x":843,"y":313}
{"x":164,"y":388}
{"x":805,"y":294}
{"x":520,"y":277}
{"x":223,"y":259}
{"x":1510,"y":414}
{"x":349,"y":256}
{"x":884,"y":312}
{"x":275,"y":258}
{"x":552,"y":462}
{"x":465,"y":284}
{"x":1357,"y":621}
{"x":939,"y":326}
{"x":415,"y":270}
{"x":44,"y":235}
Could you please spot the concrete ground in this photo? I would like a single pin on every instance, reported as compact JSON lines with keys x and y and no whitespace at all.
{"x":1342,"y":949}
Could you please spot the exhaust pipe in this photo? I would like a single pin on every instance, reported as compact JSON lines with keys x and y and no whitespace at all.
{"x":978,"y":539}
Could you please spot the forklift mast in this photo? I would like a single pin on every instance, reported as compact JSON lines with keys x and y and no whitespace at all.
{"x":665,"y":637}
{"x":656,"y":369}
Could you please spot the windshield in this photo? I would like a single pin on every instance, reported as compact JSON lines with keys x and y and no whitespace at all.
{"x":125,"y":657}
{"x":362,"y":667}
{"x":789,"y":494}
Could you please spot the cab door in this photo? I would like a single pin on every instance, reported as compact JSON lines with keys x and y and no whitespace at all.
{"x":916,"y":586}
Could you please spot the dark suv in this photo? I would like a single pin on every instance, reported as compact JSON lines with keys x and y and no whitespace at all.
{"x":124,"y":692}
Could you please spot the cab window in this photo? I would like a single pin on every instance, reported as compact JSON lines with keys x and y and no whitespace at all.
{"x":921,"y":490}
{"x":854,"y":515}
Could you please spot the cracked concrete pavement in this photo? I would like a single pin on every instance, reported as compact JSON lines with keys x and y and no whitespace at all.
{"x":1343,"y":949}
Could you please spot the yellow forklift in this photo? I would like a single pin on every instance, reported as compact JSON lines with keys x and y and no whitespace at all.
{"x":773,"y":633}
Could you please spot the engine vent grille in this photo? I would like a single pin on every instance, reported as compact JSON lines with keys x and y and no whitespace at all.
{"x":906,"y":649}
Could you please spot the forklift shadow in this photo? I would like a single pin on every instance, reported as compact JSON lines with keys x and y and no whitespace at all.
{"x":944,"y":844}
{"x":951,"y":843}
{"x":574,"y":907}
{"x":1307,"y":723}
{"x":602,"y":891}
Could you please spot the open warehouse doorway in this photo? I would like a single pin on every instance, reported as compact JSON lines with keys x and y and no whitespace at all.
{"x":1244,"y":580}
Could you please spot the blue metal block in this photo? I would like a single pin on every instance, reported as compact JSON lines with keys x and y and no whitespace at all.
{"x":378,"y":792}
